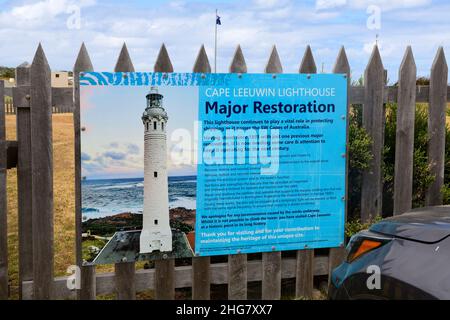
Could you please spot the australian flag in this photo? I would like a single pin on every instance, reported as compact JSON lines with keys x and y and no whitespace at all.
{"x":218,"y":22}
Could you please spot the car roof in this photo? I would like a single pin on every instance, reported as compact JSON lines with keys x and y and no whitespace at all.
{"x":428,"y":224}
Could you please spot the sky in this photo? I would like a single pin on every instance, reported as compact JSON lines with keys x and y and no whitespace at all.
{"x":62,"y":25}
{"x":112,"y":145}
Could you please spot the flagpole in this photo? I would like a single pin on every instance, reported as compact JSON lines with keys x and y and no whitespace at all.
{"x":215,"y":46}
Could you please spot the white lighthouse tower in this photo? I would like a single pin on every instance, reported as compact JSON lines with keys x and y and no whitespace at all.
{"x":156,"y":233}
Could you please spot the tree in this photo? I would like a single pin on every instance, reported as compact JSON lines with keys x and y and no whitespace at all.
{"x":7,"y":73}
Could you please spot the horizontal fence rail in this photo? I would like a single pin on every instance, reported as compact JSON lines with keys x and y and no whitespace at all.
{"x":33,"y":101}
{"x":183,"y":277}
{"x":62,"y":100}
{"x":62,"y":97}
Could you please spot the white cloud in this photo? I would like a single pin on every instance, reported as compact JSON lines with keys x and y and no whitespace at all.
{"x":120,"y":158}
{"x":280,"y":13}
{"x":329,"y":4}
{"x":269,"y":4}
{"x":385,"y":49}
{"x":363,"y":4}
{"x":39,"y":13}
{"x":388,"y":4}
{"x":291,"y":25}
{"x":177,"y":4}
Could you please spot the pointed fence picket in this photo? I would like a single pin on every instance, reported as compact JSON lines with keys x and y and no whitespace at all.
{"x":305,"y":258}
{"x":125,"y":271}
{"x":87,"y":290}
{"x":271,"y":261}
{"x":337,"y":255}
{"x":164,"y":269}
{"x":404,"y":143}
{"x":373,"y":122}
{"x":436,"y":126}
{"x":21,"y":99}
{"x":237,"y":264}
{"x":201,"y":283}
{"x":34,"y":102}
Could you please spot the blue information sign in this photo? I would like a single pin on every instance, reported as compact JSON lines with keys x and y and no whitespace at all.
{"x":272,"y":166}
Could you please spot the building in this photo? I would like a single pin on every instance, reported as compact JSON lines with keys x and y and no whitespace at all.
{"x":156,"y":234}
{"x":61,"y":79}
{"x":9,"y":82}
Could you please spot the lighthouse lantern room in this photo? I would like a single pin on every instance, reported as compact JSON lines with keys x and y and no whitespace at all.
{"x":156,"y":234}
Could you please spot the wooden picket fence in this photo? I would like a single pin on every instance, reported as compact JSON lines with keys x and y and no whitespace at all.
{"x":61,"y":99}
{"x":33,"y":99}
{"x":9,"y":108}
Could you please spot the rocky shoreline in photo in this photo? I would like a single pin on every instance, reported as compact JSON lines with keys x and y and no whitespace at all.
{"x":180,"y":218}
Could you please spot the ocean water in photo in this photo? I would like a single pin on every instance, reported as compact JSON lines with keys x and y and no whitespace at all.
{"x":102,"y":198}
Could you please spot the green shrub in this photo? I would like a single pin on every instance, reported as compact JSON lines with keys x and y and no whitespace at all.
{"x":89,"y":255}
{"x":359,"y":160}
{"x":446,"y":188}
{"x":422,"y":176}
{"x":180,"y":225}
{"x":360,"y":157}
{"x":355,"y":225}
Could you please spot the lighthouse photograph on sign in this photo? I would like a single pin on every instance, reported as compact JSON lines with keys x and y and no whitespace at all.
{"x":156,"y":234}
{"x":133,"y":184}
{"x":182,"y":165}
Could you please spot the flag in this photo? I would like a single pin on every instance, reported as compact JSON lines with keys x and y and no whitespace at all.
{"x":218,"y":22}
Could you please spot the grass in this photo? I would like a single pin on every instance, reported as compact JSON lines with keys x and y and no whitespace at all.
{"x":87,"y":243}
{"x":64,"y":200}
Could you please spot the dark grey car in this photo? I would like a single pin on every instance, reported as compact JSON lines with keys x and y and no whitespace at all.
{"x":411,"y":253}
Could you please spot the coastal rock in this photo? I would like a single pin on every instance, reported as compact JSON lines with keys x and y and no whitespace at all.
{"x":180,"y":218}
{"x":184,"y":215}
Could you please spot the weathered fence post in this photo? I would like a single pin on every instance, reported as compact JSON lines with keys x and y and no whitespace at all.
{"x":164,"y":269}
{"x":271,"y":261}
{"x":42,"y":176}
{"x":305,"y":258}
{"x":3,"y":204}
{"x":124,"y":274}
{"x":87,"y":287}
{"x":125,"y":271}
{"x":337,"y":255}
{"x":21,"y":100}
{"x":201,"y":286}
{"x":373,"y":122}
{"x":436,"y":127}
{"x":404,"y":142}
{"x":237,"y":264}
